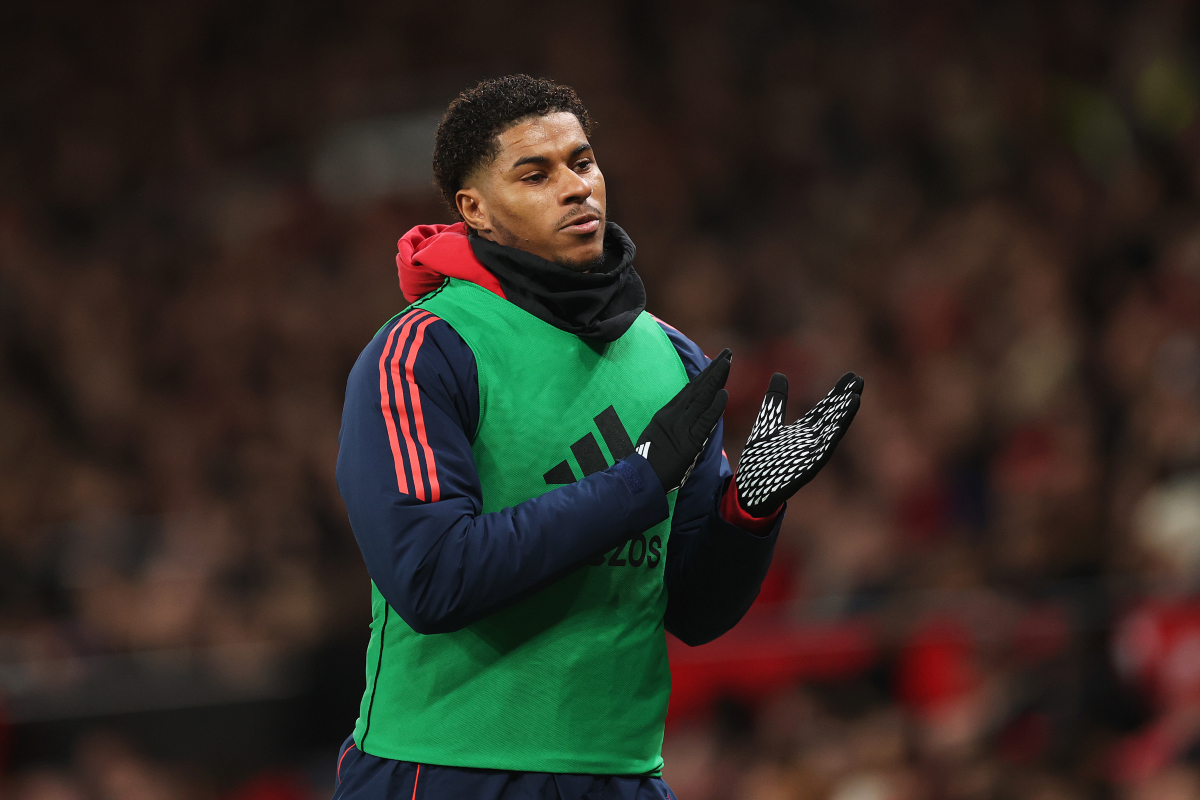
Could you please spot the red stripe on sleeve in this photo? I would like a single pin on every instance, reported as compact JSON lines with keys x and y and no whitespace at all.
{"x":385,"y":402}
{"x":435,"y":492}
{"x":401,"y":408}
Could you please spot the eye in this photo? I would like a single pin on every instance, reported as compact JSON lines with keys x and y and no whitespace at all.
{"x":583,"y":165}
{"x":533,"y":178}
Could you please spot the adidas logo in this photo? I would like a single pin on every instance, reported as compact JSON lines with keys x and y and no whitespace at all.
{"x":587,"y":450}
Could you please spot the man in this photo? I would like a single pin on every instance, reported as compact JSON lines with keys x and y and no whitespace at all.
{"x":526,"y":555}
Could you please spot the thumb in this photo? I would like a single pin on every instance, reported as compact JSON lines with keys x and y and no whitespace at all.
{"x":770,"y":416}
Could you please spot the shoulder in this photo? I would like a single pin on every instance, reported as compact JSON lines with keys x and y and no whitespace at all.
{"x":690,"y":354}
{"x":415,"y":359}
{"x":415,"y":340}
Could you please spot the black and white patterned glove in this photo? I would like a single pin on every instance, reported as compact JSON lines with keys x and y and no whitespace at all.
{"x":679,"y":430}
{"x":779,"y":458}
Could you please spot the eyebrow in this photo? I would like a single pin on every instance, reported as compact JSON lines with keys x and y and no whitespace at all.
{"x":520,"y":162}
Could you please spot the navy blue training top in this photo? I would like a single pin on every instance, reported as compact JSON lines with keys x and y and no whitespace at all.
{"x":423,"y":554}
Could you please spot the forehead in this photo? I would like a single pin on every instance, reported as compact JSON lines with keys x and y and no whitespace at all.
{"x":553,"y":134}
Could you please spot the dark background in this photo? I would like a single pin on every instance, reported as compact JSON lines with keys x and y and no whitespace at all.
{"x":987,"y":209}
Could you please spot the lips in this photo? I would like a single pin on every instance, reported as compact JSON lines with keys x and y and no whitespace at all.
{"x":590,"y":226}
{"x":584,"y":223}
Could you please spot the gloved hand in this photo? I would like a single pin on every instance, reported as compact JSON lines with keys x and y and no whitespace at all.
{"x":679,"y":430}
{"x":779,"y":459}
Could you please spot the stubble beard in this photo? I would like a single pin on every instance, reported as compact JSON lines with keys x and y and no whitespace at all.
{"x":588,"y":265}
{"x":506,"y":237}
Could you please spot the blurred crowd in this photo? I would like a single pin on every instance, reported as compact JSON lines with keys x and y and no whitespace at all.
{"x":988,"y":210}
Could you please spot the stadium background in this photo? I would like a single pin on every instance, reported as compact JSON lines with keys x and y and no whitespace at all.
{"x":987,"y":209}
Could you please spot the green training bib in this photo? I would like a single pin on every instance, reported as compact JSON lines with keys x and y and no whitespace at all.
{"x":574,"y":678}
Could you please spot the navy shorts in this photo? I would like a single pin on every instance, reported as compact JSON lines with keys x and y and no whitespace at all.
{"x":361,"y":776}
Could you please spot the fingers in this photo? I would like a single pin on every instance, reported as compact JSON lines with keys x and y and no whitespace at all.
{"x":852,"y":409}
{"x":770,"y":416}
{"x":844,"y":383}
{"x":841,"y":422}
{"x":838,"y":423}
{"x":838,"y":416}
{"x":706,"y":421}
{"x":711,"y":379}
{"x":848,"y":406}
{"x":836,"y":430}
{"x":847,"y":384}
{"x":778,"y":386}
{"x":717,"y":371}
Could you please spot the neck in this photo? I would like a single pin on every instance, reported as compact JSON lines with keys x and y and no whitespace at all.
{"x":599,"y":300}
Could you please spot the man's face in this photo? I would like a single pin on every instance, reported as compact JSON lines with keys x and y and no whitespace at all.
{"x":543,"y":193}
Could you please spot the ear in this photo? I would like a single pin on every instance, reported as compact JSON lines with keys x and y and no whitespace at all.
{"x":473,"y":209}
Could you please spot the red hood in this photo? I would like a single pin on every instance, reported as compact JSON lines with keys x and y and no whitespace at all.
{"x":430,"y":253}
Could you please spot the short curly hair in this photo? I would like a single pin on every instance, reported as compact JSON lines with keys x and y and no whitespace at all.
{"x":466,"y":136}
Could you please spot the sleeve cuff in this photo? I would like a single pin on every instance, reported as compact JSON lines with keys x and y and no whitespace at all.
{"x":733,"y":513}
{"x":650,"y":505}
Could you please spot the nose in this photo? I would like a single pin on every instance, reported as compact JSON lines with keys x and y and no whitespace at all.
{"x":574,"y":188}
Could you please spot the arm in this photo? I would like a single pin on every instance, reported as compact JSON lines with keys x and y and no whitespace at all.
{"x":717,"y":556}
{"x":406,"y":472}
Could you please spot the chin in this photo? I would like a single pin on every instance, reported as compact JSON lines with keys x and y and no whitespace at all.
{"x":583,"y":257}
{"x":581,"y":261}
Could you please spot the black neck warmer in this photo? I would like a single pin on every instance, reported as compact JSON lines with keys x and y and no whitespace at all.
{"x":600,"y":304}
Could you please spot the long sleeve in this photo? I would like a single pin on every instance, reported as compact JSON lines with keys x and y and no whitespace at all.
{"x":714,"y":568}
{"x":406,"y":472}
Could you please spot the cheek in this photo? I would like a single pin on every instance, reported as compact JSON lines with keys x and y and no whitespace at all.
{"x":525,"y":213}
{"x":598,"y":188}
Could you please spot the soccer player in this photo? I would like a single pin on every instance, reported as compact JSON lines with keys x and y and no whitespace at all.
{"x":533,"y":470}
